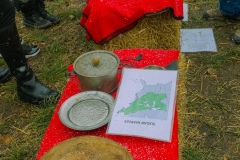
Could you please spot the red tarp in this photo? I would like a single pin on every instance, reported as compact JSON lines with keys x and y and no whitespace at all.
{"x":140,"y":148}
{"x":104,"y":19}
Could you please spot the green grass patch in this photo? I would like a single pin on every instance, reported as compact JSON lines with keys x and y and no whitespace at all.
{"x":18,"y":152}
{"x":42,"y":117}
{"x":194,"y":154}
{"x":70,"y":15}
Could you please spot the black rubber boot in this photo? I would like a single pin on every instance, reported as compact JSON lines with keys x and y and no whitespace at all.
{"x":5,"y":75}
{"x":40,"y":7}
{"x":29,"y":88}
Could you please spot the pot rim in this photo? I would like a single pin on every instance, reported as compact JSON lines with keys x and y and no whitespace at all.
{"x":98,"y":51}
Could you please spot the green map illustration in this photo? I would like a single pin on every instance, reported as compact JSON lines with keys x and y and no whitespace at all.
{"x":150,"y":102}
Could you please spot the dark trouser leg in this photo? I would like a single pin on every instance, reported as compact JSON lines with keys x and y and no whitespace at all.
{"x":230,"y":7}
{"x":7,"y":16}
{"x":29,"y":88}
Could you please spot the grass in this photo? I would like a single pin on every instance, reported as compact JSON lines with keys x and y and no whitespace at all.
{"x":211,"y":122}
{"x":193,"y":154}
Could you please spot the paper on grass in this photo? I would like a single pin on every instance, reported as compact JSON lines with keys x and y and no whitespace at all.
{"x":145,"y":104}
{"x":197,"y":40}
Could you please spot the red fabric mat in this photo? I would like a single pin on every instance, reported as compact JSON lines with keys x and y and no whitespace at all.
{"x":104,"y":19}
{"x":140,"y":148}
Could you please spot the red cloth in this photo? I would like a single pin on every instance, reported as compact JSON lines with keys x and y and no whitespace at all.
{"x":140,"y":148}
{"x":104,"y":19}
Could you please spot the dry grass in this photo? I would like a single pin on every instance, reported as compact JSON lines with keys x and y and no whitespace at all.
{"x":160,"y":31}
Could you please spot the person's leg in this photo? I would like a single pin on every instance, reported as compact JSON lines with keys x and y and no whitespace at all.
{"x":231,"y":8}
{"x":31,"y":17}
{"x":29,"y":88}
{"x":228,"y":9}
{"x":5,"y":74}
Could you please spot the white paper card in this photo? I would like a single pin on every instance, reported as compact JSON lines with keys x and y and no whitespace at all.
{"x":185,"y":12}
{"x":197,"y":40}
{"x":145,"y":104}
